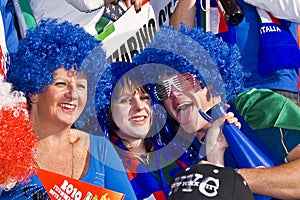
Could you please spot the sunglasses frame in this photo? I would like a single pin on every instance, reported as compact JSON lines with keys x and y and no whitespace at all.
{"x":181,"y":82}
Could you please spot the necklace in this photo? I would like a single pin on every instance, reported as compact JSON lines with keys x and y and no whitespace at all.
{"x":146,"y":158}
{"x":143,"y":158}
{"x":72,"y":172}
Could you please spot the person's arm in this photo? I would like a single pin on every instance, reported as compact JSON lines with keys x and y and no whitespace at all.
{"x":215,"y":151}
{"x":185,"y":12}
{"x":216,"y":143}
{"x":87,"y":5}
{"x":90,"y":5}
{"x":123,"y":185}
{"x":115,"y":170}
{"x":279,"y":182}
{"x":136,"y":3}
{"x":115,"y":176}
{"x":294,"y":154}
{"x":283,"y":9}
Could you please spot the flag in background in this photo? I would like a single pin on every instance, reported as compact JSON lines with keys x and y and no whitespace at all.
{"x":3,"y":50}
{"x":210,"y":16}
{"x":112,"y":13}
{"x":298,"y":39}
{"x":298,"y":35}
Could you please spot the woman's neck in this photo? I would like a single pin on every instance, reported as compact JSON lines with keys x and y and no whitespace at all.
{"x":51,"y":133}
{"x":133,"y":145}
{"x":139,"y":149}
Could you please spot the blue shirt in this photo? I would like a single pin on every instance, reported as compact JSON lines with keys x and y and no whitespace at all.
{"x":248,"y":42}
{"x":11,"y":37}
{"x":105,"y":170}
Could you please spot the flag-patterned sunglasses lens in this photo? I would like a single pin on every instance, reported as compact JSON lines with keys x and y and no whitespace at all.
{"x":182,"y":82}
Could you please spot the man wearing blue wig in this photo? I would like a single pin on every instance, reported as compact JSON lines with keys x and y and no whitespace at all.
{"x":134,"y":122}
{"x":169,"y":55}
{"x":280,"y":135}
{"x":54,"y":66}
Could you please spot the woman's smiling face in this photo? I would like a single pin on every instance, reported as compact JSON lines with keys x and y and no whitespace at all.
{"x":131,"y":111}
{"x":64,"y":100}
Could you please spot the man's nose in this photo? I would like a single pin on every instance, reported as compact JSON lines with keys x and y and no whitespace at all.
{"x":174,"y":91}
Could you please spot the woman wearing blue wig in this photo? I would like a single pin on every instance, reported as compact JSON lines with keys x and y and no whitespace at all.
{"x":132,"y":119}
{"x":126,"y":114}
{"x":54,"y":66}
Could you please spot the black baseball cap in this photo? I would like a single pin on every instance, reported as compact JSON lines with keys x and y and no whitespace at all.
{"x":209,"y":182}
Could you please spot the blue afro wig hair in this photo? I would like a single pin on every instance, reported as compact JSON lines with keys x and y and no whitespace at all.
{"x":46,"y":48}
{"x":114,"y":73}
{"x":201,"y":53}
{"x":50,"y":46}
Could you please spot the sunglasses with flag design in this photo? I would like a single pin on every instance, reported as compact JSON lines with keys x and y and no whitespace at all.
{"x":181,"y":82}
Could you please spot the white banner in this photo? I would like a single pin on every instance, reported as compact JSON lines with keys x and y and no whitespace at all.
{"x":132,"y":31}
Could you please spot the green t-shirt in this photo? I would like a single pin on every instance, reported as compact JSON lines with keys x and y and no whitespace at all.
{"x":275,"y":118}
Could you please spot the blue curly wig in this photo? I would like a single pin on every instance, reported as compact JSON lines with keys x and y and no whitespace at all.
{"x":114,"y":73}
{"x":201,"y":53}
{"x":161,"y":132}
{"x":46,"y":48}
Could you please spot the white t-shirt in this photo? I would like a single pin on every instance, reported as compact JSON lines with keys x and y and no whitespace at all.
{"x":86,"y":13}
{"x":282,"y":9}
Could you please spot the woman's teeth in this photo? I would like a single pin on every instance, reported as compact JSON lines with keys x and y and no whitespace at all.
{"x":70,"y":106}
{"x":138,"y":118}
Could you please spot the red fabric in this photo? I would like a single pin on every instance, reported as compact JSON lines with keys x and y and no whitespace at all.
{"x":2,"y":66}
{"x":159,"y":195}
{"x":17,"y":144}
{"x":222,"y":24}
{"x":298,"y":39}
{"x":274,"y":19}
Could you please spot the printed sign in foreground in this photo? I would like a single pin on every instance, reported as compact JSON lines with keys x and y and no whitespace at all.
{"x":63,"y":187}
